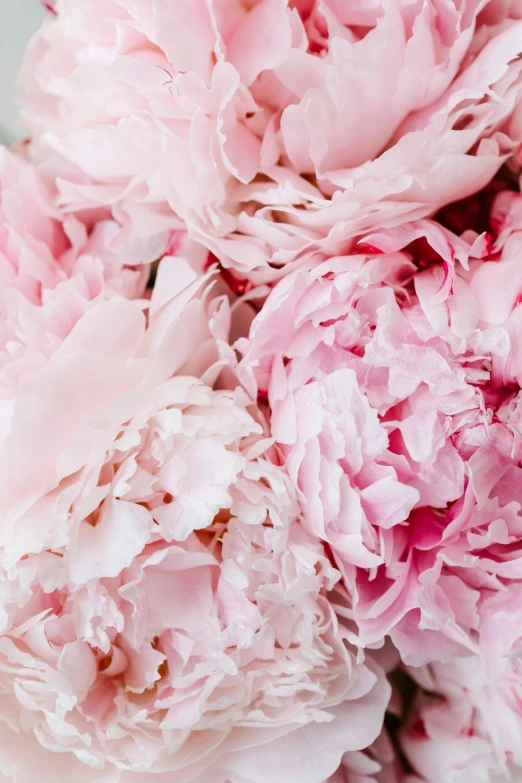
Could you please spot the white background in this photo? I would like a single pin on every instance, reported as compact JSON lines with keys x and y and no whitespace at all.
{"x":19,"y":19}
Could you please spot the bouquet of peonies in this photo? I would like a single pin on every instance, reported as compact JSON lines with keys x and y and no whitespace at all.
{"x":260,"y":395}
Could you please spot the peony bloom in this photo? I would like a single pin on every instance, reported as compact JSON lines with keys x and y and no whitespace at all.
{"x":465,"y":727}
{"x":164,"y":614}
{"x":393,"y":380}
{"x":273,"y":127}
{"x":49,"y":272}
{"x":441,"y":743}
{"x":480,"y":716}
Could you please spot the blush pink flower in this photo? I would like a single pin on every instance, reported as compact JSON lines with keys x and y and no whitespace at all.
{"x":271,"y":127}
{"x":393,"y":382}
{"x":441,"y":743}
{"x":465,"y":727}
{"x":485,"y":691}
{"x":164,"y":614}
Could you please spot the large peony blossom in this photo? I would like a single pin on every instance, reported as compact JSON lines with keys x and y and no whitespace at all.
{"x":393,"y":380}
{"x":274,"y":126}
{"x":163,"y":610}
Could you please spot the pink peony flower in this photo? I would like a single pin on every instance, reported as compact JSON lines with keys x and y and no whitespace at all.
{"x":464,"y":729}
{"x":49,"y":272}
{"x":441,"y":744}
{"x":163,"y":609}
{"x":393,"y":382}
{"x":271,"y":127}
{"x":482,"y":694}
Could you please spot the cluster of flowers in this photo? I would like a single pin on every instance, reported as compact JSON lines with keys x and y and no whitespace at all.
{"x":260,"y":395}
